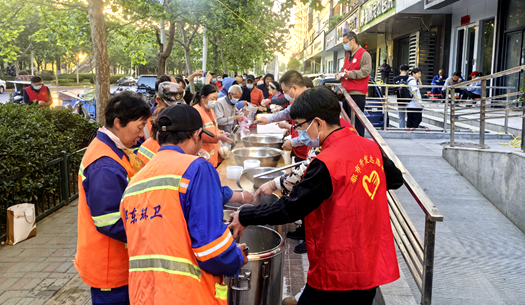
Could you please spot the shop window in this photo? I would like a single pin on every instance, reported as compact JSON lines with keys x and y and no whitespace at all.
{"x":516,"y":15}
{"x":487,"y":46}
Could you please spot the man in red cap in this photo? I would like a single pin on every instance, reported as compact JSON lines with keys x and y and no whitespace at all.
{"x":473,"y":90}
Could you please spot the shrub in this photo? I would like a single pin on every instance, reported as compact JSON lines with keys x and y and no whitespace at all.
{"x":30,"y":137}
{"x":67,"y":80}
{"x":23,"y":72}
{"x":51,"y":72}
{"x":47,"y":76}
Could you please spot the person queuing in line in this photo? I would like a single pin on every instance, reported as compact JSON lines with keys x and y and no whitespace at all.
{"x":415,"y":108}
{"x":471,"y":91}
{"x":246,"y":94}
{"x":204,"y":103}
{"x":179,"y":248}
{"x":268,"y":78}
{"x":385,"y":74}
{"x":184,"y":82}
{"x":228,"y":107}
{"x":344,"y":199}
{"x":256,"y":95}
{"x":438,"y":81}
{"x":454,"y":80}
{"x":37,"y":93}
{"x":244,"y":77}
{"x":292,"y":84}
{"x":401,"y":79}
{"x":106,"y":168}
{"x":355,"y":74}
{"x":277,"y":95}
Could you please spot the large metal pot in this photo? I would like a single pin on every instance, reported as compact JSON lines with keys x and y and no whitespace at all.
{"x":231,"y":207}
{"x":257,"y":182}
{"x":260,"y":282}
{"x":269,"y":157}
{"x":263,"y":141}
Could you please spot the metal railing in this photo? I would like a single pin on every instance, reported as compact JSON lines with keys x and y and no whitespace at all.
{"x":496,"y":100}
{"x":417,"y":253}
{"x":58,"y":189}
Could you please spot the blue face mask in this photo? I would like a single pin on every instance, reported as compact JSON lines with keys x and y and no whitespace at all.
{"x":347,"y":47}
{"x":305,"y":138}
{"x":234,"y":101}
{"x":249,"y":86}
{"x":214,"y":80}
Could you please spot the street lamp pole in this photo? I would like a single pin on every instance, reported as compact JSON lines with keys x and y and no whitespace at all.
{"x":78,"y":63}
{"x":204,"y":51}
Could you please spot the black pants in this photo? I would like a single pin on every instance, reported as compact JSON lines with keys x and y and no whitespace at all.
{"x":466,"y":94}
{"x":414,"y":117}
{"x":360,"y":100}
{"x":312,"y":296}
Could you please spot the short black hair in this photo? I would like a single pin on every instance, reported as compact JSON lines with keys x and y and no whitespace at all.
{"x":205,"y":91}
{"x":457,"y":73}
{"x":224,"y":76}
{"x":351,"y":35}
{"x":169,"y":137}
{"x":36,"y":79}
{"x":308,"y":83}
{"x":127,"y":107}
{"x":161,"y":79}
{"x":291,"y":78}
{"x":415,"y":70}
{"x":319,"y":102}
{"x":277,"y":86}
{"x":245,"y":74}
{"x":404,"y":67}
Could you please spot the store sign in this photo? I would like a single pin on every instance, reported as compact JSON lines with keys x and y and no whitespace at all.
{"x":330,"y":40}
{"x":318,"y":45}
{"x":308,"y":52}
{"x":349,"y":24}
{"x":465,"y":20}
{"x":375,"y":11}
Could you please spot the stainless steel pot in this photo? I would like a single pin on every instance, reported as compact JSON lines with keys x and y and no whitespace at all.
{"x":231,"y":207}
{"x":263,"y":141}
{"x":257,"y":182}
{"x":269,"y":157}
{"x":260,"y":282}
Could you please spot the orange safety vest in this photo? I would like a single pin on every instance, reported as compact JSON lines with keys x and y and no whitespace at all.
{"x":101,"y":261}
{"x":163,"y":267}
{"x":147,"y":150}
{"x":211,"y":125}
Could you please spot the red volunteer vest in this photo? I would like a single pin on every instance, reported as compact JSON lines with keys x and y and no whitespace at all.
{"x":349,"y":237}
{"x":101,"y":261}
{"x":360,"y":85}
{"x":40,"y":96}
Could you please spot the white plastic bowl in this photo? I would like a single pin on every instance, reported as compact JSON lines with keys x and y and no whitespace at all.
{"x":251,"y":164}
{"x":233,"y":172}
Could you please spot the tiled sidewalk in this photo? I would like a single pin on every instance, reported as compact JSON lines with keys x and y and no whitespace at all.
{"x":32,"y":271}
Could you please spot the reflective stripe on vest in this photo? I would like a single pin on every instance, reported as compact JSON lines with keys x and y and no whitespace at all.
{"x":165,"y":182}
{"x":211,"y":124}
{"x":106,"y":220}
{"x":146,"y":152}
{"x":212,"y":152}
{"x":164,"y":263}
{"x":81,"y":172}
{"x":214,"y":248}
{"x":221,"y":291}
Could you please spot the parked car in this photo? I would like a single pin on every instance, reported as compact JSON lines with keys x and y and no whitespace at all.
{"x":146,"y":85}
{"x":126,"y":81}
{"x":373,"y":107}
{"x":24,"y":77}
{"x":3,"y":86}
{"x":18,"y":95}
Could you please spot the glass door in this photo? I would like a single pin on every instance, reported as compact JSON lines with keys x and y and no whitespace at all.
{"x":515,"y":56}
{"x":465,"y":50}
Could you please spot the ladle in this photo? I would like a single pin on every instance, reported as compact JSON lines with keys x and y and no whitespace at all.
{"x":247,"y":179}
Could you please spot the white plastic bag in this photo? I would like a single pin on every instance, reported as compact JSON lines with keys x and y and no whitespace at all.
{"x":224,"y":150}
{"x":21,"y":223}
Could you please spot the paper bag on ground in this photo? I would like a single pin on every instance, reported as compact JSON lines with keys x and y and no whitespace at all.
{"x":21,"y":223}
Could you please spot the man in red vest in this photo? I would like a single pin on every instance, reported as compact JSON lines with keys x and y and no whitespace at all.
{"x":343,"y":197}
{"x":355,"y":74}
{"x":37,"y":93}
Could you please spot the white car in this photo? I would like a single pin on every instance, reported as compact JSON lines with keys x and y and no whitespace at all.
{"x":2,"y":86}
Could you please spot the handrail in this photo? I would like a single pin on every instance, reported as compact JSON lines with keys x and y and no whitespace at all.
{"x":419,"y":259}
{"x":490,"y":76}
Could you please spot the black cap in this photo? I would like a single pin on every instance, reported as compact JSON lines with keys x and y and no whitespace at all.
{"x":250,"y":77}
{"x":183,"y":118}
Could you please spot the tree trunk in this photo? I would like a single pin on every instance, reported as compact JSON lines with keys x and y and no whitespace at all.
{"x":224,"y":63}
{"x":166,"y":51}
{"x":100,"y":51}
{"x":187,"y":51}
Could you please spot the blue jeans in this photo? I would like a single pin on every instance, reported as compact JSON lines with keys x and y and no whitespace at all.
{"x":115,"y":296}
{"x":402,"y":115}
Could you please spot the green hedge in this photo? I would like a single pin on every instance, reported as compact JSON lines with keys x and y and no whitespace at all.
{"x":30,"y":137}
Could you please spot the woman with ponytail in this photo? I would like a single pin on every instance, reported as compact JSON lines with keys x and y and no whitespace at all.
{"x":204,"y":101}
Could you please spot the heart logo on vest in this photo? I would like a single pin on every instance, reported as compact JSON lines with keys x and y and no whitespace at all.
{"x":355,"y":60}
{"x":371,"y":184}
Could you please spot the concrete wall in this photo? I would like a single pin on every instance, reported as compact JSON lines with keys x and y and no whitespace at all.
{"x":499,"y":176}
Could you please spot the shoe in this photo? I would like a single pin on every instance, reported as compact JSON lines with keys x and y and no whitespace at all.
{"x":298,"y":234}
{"x":300,"y":248}
{"x":289,"y":301}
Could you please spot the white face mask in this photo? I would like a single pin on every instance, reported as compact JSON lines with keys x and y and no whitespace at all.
{"x":211,"y":104}
{"x":37,"y":87}
{"x":347,"y":47}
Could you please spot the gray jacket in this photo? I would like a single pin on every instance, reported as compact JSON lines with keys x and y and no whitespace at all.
{"x":225,"y":113}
